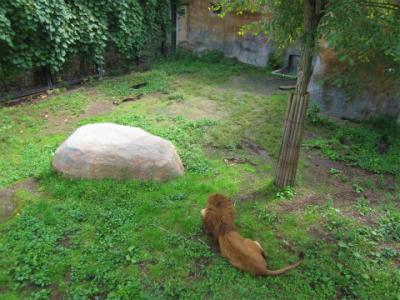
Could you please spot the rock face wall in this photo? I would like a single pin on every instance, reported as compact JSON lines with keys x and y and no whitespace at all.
{"x":202,"y":29}
{"x":207,"y":29}
{"x":334,"y":101}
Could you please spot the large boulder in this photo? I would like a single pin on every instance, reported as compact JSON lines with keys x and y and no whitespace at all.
{"x":107,"y":150}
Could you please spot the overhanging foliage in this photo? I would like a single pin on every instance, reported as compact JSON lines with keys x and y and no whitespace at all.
{"x":363,"y":30}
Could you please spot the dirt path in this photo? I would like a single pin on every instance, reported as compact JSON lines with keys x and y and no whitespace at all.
{"x":8,"y":202}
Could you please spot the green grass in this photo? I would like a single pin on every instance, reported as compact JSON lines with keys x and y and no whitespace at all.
{"x":155,"y":81}
{"x":373,"y":145}
{"x":106,"y":239}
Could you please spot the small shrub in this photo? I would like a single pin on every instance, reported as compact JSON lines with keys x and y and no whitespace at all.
{"x":287,"y":193}
{"x":333,"y":171}
{"x":177,"y":96}
{"x":338,"y":174}
{"x":315,"y":118}
{"x":275,"y":61}
{"x":390,"y":253}
{"x":389,"y":226}
{"x":362,"y":206}
{"x":358,"y":188}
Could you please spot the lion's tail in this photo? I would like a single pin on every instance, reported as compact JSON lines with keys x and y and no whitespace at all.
{"x":285,"y":269}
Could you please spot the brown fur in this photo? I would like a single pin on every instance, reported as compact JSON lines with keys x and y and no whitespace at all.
{"x":243,"y":254}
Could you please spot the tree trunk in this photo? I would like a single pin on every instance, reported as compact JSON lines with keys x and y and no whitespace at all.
{"x":174,"y":20}
{"x":298,"y":102}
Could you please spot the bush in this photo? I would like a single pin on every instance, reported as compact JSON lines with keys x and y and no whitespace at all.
{"x":275,"y":61}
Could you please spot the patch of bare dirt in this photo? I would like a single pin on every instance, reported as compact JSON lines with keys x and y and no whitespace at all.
{"x":287,"y":245}
{"x":394,"y":247}
{"x":97,"y":108}
{"x":255,"y":148}
{"x":34,"y":98}
{"x":253,"y":196}
{"x":144,"y":266}
{"x":197,"y":108}
{"x":199,"y":264}
{"x":56,"y":293}
{"x":342,"y":184}
{"x":319,"y":233}
{"x":369,"y":219}
{"x":299,"y":203}
{"x":238,"y":161}
{"x":308,"y":135}
{"x":343,"y":200}
{"x":65,"y":242}
{"x":7,"y":203}
{"x":64,"y":122}
{"x":261,"y":85}
{"x":58,"y":122}
{"x":251,"y":153}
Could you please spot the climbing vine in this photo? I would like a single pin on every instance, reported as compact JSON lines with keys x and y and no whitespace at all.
{"x":48,"y":33}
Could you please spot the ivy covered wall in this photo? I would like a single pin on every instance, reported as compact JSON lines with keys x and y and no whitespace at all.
{"x":48,"y":34}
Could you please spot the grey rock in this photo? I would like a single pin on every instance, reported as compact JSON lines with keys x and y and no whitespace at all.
{"x":106,"y":150}
{"x":254,"y":50}
{"x":315,"y":88}
{"x":249,"y":49}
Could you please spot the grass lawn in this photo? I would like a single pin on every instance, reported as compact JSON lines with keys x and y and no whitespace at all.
{"x":81,"y":239}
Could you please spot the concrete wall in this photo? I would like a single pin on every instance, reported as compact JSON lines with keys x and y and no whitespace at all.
{"x":207,"y":29}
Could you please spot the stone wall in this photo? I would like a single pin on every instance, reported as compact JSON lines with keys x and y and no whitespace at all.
{"x":208,"y":30}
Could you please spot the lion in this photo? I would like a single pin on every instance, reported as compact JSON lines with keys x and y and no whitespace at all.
{"x":244,"y":254}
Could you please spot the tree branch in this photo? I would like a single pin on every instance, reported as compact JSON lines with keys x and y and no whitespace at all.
{"x":384,"y":5}
{"x":320,"y":6}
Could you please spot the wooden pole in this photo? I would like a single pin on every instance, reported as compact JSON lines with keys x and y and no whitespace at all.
{"x":291,"y":141}
{"x":298,"y":102}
